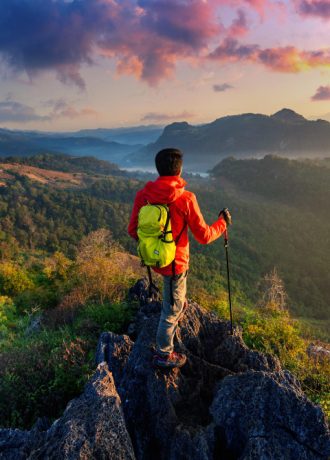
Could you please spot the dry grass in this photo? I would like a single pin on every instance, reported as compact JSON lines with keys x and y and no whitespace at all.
{"x":43,"y":176}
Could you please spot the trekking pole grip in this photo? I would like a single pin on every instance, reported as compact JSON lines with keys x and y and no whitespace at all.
{"x":226,"y":238}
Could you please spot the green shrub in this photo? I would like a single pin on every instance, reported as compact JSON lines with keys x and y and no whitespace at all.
{"x":108,"y":317}
{"x":7,"y":315}
{"x":39,"y":375}
{"x":273,"y":331}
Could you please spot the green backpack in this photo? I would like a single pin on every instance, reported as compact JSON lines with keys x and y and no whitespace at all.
{"x":156,"y":246}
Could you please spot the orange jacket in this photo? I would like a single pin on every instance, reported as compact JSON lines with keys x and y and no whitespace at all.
{"x":184,"y":211}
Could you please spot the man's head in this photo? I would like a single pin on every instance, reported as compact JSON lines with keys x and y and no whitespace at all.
{"x":169,"y":162}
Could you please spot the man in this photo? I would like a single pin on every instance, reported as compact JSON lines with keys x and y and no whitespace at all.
{"x":184,"y":211}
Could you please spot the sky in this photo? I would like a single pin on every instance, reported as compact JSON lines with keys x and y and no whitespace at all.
{"x":72,"y":64}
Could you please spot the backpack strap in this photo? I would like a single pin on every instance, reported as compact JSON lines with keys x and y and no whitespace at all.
{"x":165,"y":232}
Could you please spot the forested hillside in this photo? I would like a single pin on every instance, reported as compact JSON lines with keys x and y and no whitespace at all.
{"x":280,"y":210}
{"x":282,"y":219}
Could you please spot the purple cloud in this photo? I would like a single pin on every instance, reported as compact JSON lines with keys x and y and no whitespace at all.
{"x":231,"y":49}
{"x":322,"y":94}
{"x":146,"y":37}
{"x":36,"y":35}
{"x":165,"y":117}
{"x":222,"y":87}
{"x":239,"y":25}
{"x":12,"y":111}
{"x":320,"y":8}
{"x":15,"y":112}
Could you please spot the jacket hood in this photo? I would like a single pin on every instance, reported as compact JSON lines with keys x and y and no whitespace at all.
{"x":165,"y":189}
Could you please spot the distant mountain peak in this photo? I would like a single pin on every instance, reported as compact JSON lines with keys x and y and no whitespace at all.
{"x":288,"y":115}
{"x":178,"y":125}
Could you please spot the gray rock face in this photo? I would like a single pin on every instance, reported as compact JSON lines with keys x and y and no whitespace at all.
{"x":227,"y":402}
{"x":266,"y":415}
{"x":92,"y":426}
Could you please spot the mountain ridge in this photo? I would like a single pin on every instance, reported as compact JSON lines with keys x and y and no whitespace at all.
{"x":247,"y":135}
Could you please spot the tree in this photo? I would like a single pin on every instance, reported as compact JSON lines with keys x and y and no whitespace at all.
{"x":272,"y":292}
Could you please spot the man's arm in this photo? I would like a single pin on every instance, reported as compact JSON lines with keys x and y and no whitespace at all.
{"x":203,"y":233}
{"x":133,"y":223}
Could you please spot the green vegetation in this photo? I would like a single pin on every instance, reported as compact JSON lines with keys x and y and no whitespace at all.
{"x":281,"y":219}
{"x":271,"y":329}
{"x":65,"y":273}
{"x":48,"y":347}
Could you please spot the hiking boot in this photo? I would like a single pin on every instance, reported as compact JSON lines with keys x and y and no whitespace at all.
{"x":170,"y":361}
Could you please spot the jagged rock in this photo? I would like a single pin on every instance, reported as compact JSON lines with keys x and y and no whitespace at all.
{"x":227,"y":402}
{"x":17,"y":444}
{"x":266,"y":415}
{"x":92,"y":426}
{"x":115,"y":349}
{"x":182,"y":414}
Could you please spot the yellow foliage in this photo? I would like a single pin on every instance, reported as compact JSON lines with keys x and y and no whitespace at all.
{"x":57,"y":266}
{"x":13,"y":279}
{"x":102,"y":270}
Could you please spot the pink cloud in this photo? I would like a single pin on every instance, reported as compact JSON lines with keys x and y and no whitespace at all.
{"x":258,"y":5}
{"x":280,"y":59}
{"x":148,"y":41}
{"x":72,"y":112}
{"x":322,"y":94}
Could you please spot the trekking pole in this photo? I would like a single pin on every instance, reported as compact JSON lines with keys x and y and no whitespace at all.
{"x":226,"y":244}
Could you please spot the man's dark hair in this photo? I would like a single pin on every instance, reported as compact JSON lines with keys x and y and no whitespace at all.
{"x":169,"y":162}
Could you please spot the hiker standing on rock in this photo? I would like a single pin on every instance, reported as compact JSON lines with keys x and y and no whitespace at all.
{"x":162,"y":212}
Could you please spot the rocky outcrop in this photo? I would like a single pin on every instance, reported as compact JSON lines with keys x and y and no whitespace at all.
{"x":227,"y":402}
{"x":266,"y":415}
{"x":91,"y":427}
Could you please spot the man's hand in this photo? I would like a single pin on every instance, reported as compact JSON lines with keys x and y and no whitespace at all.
{"x":226,"y":215}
